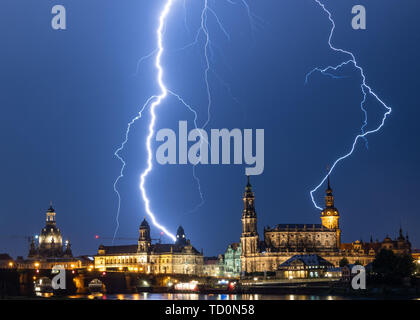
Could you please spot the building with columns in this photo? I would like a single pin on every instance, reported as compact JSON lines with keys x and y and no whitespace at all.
{"x":145,"y":257}
{"x":283,"y":241}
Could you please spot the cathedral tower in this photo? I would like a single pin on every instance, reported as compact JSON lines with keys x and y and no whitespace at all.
{"x":144,"y":237}
{"x":330,"y":215}
{"x":249,"y":238}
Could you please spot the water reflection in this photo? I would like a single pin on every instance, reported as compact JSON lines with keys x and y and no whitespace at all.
{"x":195,"y":296}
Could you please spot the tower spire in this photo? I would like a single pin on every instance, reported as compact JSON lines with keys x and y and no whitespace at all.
{"x":401,"y":236}
{"x":330,"y":216}
{"x":329,"y":198}
{"x":328,"y":180}
{"x":51,"y":209}
{"x":248,"y":187}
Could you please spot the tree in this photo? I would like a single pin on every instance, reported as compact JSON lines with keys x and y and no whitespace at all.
{"x":405,"y":266}
{"x":344,"y":262}
{"x":384,"y":263}
{"x":391,"y":267}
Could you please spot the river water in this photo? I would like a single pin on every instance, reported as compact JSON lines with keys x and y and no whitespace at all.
{"x":193,"y":296}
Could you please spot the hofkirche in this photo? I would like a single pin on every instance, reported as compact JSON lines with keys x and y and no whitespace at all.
{"x":284,"y":241}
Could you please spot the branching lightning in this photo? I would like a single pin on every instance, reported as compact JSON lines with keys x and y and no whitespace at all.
{"x":366,"y":90}
{"x":117,"y":154}
{"x":154,"y":101}
{"x":204,"y":29}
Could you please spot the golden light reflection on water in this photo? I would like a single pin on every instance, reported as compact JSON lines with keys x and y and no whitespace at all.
{"x":95,"y":296}
{"x":195,"y":296}
{"x":250,"y":297}
{"x":180,"y":296}
{"x":44,"y":294}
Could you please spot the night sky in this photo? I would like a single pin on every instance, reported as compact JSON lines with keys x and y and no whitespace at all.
{"x":67,"y":96}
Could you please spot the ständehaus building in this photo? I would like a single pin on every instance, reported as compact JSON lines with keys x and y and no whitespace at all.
{"x":145,"y":257}
{"x":286,"y":240}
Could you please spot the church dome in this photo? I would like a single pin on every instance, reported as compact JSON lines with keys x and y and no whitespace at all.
{"x":180,"y":237}
{"x":50,"y":239}
{"x":144,"y":224}
{"x":50,"y":234}
{"x":180,"y":231}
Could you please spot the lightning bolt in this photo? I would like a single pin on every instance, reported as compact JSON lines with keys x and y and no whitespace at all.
{"x":154,"y":101}
{"x":366,"y":90}
{"x":120,"y":158}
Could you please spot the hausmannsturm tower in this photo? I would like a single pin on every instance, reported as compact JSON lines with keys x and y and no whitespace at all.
{"x":330,"y":215}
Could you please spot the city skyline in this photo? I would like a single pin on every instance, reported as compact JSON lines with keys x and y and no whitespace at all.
{"x":109,"y":240}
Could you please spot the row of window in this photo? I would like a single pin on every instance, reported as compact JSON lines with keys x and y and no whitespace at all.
{"x":298,"y":235}
{"x":121,"y":261}
{"x":134,"y":261}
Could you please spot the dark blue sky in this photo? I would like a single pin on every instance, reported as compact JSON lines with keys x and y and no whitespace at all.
{"x":66,"y":98}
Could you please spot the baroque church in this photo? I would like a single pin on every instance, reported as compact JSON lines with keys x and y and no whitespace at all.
{"x":50,"y":249}
{"x":50,"y":241}
{"x":284,"y":241}
{"x":145,"y":257}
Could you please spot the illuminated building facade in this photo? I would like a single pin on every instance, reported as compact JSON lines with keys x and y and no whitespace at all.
{"x":212,"y":267}
{"x":306,"y":266}
{"x":284,"y":241}
{"x":50,"y":250}
{"x":178,"y":258}
{"x":231,"y":261}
